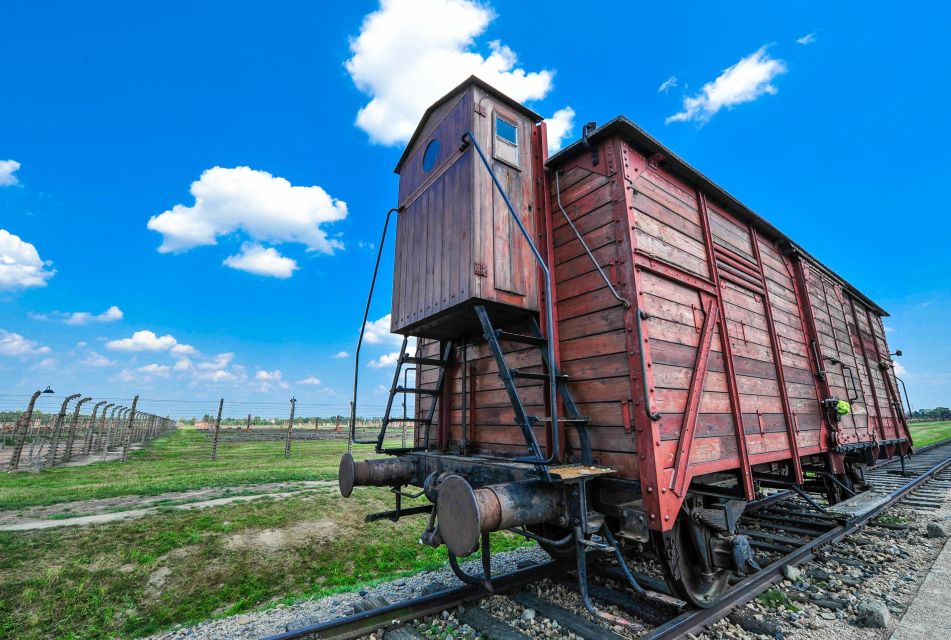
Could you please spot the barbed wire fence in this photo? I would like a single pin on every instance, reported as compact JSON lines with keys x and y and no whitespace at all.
{"x":47,"y":429}
{"x":32,"y":439}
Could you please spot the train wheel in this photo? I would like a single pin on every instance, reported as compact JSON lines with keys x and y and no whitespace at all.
{"x":684,"y":553}
{"x":564,"y":553}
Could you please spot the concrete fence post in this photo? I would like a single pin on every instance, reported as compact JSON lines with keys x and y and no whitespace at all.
{"x":290,"y":426}
{"x":127,"y":440}
{"x":20,"y":430}
{"x":57,"y":427}
{"x":72,"y":429}
{"x":91,"y":431}
{"x":214,"y":442}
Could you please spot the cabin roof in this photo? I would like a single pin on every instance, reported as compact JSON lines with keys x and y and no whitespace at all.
{"x":465,"y":84}
{"x":677,"y":165}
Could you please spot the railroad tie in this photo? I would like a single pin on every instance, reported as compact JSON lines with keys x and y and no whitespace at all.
{"x":567,"y":619}
{"x":489,"y":626}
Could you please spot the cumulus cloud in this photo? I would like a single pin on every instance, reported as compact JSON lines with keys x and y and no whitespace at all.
{"x":7,"y":169}
{"x":267,"y":208}
{"x":667,"y":84}
{"x":183,"y":364}
{"x":96,"y":360}
{"x":560,"y":127}
{"x":899,"y":369}
{"x":409,"y":53}
{"x":13,"y":344}
{"x":340,"y":355}
{"x":745,"y":81}
{"x":262,"y":261}
{"x":267,"y":380}
{"x":378,"y":332}
{"x":20,"y":264}
{"x":220,"y":361}
{"x":385,"y":361}
{"x":809,"y":38}
{"x":143,"y":341}
{"x":111,"y":314}
{"x":184,"y":350}
{"x":310,"y":380}
{"x":161,"y":370}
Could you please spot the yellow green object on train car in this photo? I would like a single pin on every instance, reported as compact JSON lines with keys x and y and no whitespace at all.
{"x":843,"y":408}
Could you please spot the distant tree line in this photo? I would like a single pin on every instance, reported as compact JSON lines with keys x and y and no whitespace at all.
{"x":938,"y":413}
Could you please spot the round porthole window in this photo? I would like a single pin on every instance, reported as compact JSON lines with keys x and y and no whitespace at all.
{"x":430,"y":155}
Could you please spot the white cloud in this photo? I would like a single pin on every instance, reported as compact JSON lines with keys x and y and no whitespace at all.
{"x":745,"y":81}
{"x":7,"y":169}
{"x":560,"y":127}
{"x":378,"y":332}
{"x":46,"y":363}
{"x":155,"y":370}
{"x":667,"y":84}
{"x":268,"y":208}
{"x":220,"y":361}
{"x":111,"y":314}
{"x":889,"y":328}
{"x":13,"y":344}
{"x":340,"y":355}
{"x":310,"y":380}
{"x":809,"y":38}
{"x":268,"y":380}
{"x":262,"y":261}
{"x":143,"y":341}
{"x":96,"y":360}
{"x":20,"y":264}
{"x":409,"y":53}
{"x":184,"y":350}
{"x":899,"y":369}
{"x":184,"y":364}
{"x":385,"y":361}
{"x":220,"y":375}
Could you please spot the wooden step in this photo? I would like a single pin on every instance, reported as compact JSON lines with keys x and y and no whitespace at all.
{"x":522,"y":338}
{"x":526,"y":375}
{"x":436,"y":362}
{"x":422,"y":392}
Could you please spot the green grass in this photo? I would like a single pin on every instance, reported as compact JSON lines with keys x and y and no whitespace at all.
{"x":94,"y":582}
{"x":925,"y":433}
{"x":177,"y":461}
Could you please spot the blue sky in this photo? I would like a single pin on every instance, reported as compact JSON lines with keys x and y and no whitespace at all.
{"x":829,"y":121}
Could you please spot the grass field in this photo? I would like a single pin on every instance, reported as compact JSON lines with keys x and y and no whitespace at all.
{"x":925,"y":433}
{"x":140,"y":576}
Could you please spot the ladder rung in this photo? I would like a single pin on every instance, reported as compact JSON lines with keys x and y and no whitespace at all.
{"x":422,"y":392}
{"x":416,"y":420}
{"x":436,"y":362}
{"x":536,"y":376}
{"x":578,"y":420}
{"x":520,"y":337}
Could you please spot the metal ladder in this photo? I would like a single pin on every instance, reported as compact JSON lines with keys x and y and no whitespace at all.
{"x":495,"y":337}
{"x":396,"y":388}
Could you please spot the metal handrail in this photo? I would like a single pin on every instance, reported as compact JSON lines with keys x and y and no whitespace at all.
{"x":584,"y":245}
{"x":905,"y":389}
{"x":467,"y":138}
{"x":356,"y":357}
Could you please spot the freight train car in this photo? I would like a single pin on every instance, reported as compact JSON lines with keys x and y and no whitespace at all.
{"x":612,"y":350}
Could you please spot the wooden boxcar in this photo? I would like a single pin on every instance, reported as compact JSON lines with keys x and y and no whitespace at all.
{"x":700,"y":354}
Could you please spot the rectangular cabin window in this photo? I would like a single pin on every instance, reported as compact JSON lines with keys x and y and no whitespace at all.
{"x":505,"y":147}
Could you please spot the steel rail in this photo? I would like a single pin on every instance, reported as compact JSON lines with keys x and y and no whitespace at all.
{"x":366,"y":622}
{"x":698,"y":620}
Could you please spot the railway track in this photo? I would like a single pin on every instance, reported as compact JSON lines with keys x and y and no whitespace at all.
{"x":785,"y":530}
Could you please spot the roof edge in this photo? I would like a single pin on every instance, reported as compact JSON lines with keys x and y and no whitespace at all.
{"x":470,"y":81}
{"x":683,"y":169}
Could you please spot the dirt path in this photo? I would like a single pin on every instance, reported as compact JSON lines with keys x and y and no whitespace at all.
{"x":90,"y":512}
